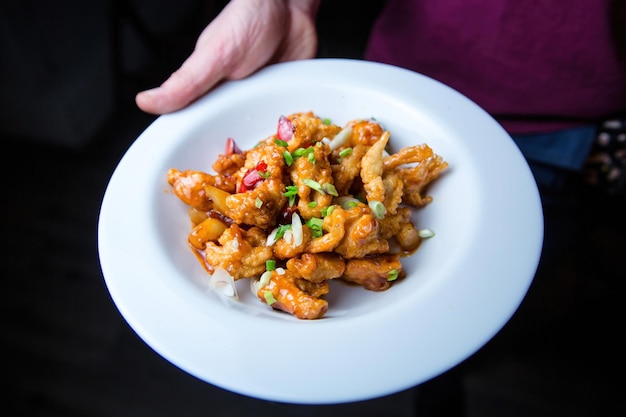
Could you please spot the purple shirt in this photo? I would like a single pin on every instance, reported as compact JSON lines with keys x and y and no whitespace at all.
{"x":536,"y":66}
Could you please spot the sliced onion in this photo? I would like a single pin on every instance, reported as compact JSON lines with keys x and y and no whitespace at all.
{"x":378,"y":209}
{"x":341,"y":138}
{"x":224,"y":283}
{"x":296,"y":229}
{"x":288,"y":236}
{"x":280,"y":271}
{"x":254,"y":286}
{"x":265,"y":278}
{"x":271,"y":238}
{"x":345,"y":201}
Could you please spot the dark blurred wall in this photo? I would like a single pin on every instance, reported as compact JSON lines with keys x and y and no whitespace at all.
{"x":63,"y":61}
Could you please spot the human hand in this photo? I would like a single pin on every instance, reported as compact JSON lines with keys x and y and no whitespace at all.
{"x":245,"y":36}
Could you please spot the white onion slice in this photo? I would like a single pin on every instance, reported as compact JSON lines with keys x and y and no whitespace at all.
{"x":296,"y":229}
{"x":224,"y":283}
{"x":271,"y":238}
{"x":345,"y":201}
{"x":341,"y":138}
{"x":288,"y":236}
{"x":255,"y":284}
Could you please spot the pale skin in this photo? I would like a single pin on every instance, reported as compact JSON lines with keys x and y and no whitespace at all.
{"x":246,"y":36}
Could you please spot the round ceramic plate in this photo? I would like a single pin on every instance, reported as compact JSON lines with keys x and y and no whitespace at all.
{"x":462,"y":286}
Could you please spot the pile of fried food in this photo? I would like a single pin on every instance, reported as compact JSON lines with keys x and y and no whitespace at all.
{"x":311,"y":203}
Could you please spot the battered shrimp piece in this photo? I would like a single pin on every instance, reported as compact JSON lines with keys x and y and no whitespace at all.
{"x":374,"y":274}
{"x":345,"y":172}
{"x":282,"y":293}
{"x":317,"y":267}
{"x":372,"y":170}
{"x":400,"y":227}
{"x":333,"y":226}
{"x":362,"y":236}
{"x":189,"y":186}
{"x":394,"y":190}
{"x":366,"y":132}
{"x":417,"y":178}
{"x":259,"y":207}
{"x":314,"y":289}
{"x":308,"y":129}
{"x":229,"y":164}
{"x":235,"y":253}
{"x":260,"y":198}
{"x":408,"y":155}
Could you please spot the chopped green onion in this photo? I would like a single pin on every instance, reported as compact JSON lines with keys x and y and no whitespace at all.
{"x":326,"y":211}
{"x":314,"y":185}
{"x":270,"y":265}
{"x":282,"y":229}
{"x":258,"y":203}
{"x":291,"y":191}
{"x":264,"y":174}
{"x":346,"y":202}
{"x":315,"y":224}
{"x":288,"y":158}
{"x":311,"y":158}
{"x":269,"y":298}
{"x":281,"y":142}
{"x":312,"y":204}
{"x":345,"y":152}
{"x":392,"y":275}
{"x":326,"y":121}
{"x":298,"y":152}
{"x":330,"y":189}
{"x":425,"y":233}
{"x":378,"y":209}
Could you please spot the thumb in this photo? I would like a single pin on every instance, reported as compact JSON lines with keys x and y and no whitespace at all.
{"x":185,"y":85}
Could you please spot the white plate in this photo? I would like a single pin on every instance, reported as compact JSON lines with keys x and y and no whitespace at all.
{"x":462,"y":286}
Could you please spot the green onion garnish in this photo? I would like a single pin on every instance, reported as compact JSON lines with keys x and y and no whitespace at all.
{"x":312,"y":204}
{"x":378,"y":209}
{"x":288,"y":158}
{"x":258,"y":202}
{"x":345,"y":152}
{"x":280,"y":142}
{"x":314,"y":185}
{"x":326,"y":121}
{"x":270,"y":265}
{"x":392,"y":275}
{"x":326,"y":211}
{"x":315,"y":224}
{"x":291,"y":190}
{"x":330,"y":189}
{"x":281,"y":230}
{"x":269,"y":298}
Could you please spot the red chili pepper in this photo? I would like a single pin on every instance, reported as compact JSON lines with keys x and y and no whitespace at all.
{"x":252,"y":177}
{"x":231,"y":147}
{"x":285,"y":129}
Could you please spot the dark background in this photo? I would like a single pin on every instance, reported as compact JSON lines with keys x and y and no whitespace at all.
{"x":69,"y":73}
